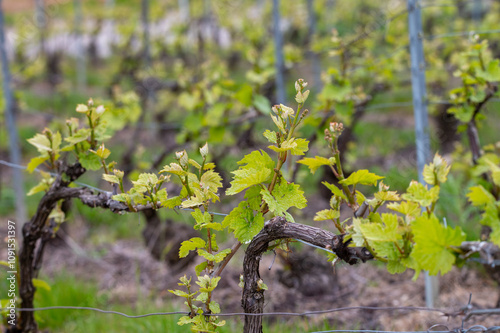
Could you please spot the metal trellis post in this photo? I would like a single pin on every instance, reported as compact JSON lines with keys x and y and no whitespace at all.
{"x":10,"y":121}
{"x":278,"y":45}
{"x":315,"y":59}
{"x":184,"y":9}
{"x":421,"y":117}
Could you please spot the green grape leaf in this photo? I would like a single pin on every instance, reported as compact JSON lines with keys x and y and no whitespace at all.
{"x":211,"y":181}
{"x":479,"y":196}
{"x":283,"y":197}
{"x":122,"y":197}
{"x":433,"y":244}
{"x":387,"y":196}
{"x":492,"y":72}
{"x":209,"y":166}
{"x":185,"y":320}
{"x":40,"y":284}
{"x":327,"y":214}
{"x":35,"y":162}
{"x":387,"y":232}
{"x":200,"y":267}
{"x":257,"y":168}
{"x":337,"y":93}
{"x":175,"y":169}
{"x":495,"y":235}
{"x":301,"y":148}
{"x":386,"y":249}
{"x":285,"y":146}
{"x":253,"y":197}
{"x":179,"y":293}
{"x":361,"y":177}
{"x":395,"y":267}
{"x":90,"y":161}
{"x":145,"y":182}
{"x":41,"y":142}
{"x":490,"y":216}
{"x":191,"y":245}
{"x":195,"y":201}
{"x":315,"y":163}
{"x":335,"y":190}
{"x":463,"y":113}
{"x":436,"y":172}
{"x":204,"y":221}
{"x":214,"y":307}
{"x":194,"y":163}
{"x":419,"y":193}
{"x":243,"y":222}
{"x":356,"y":234}
{"x":244,"y":95}
{"x":171,"y":202}
{"x":408,"y":208}
{"x":214,"y":257}
{"x":161,"y":196}
{"x":42,"y":186}
{"x":262,"y":104}
{"x":271,"y":136}
{"x":111,"y":178}
{"x":81,"y":135}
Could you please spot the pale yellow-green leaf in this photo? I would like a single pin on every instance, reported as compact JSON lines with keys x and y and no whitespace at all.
{"x":327,"y":214}
{"x":40,"y":284}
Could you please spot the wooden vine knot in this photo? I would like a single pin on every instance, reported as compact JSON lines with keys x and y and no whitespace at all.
{"x":275,"y":224}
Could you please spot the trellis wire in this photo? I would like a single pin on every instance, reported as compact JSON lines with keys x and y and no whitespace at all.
{"x":465,"y":315}
{"x":291,"y":314}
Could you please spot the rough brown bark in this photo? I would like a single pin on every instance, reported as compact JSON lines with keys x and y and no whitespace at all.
{"x":279,"y":228}
{"x":34,"y":231}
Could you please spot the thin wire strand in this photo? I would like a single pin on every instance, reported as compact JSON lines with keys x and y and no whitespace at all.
{"x":101,"y":311}
{"x":375,"y":331}
{"x":462,"y":34}
{"x":232,"y":314}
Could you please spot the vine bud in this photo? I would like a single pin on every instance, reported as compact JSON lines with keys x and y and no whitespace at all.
{"x":334,"y":202}
{"x":383,"y":187}
{"x":82,"y":108}
{"x":336,"y":129}
{"x":287,"y":111}
{"x":119,"y":173}
{"x":100,"y":109}
{"x":204,"y":150}
{"x":182,"y":157}
{"x":328,"y":136}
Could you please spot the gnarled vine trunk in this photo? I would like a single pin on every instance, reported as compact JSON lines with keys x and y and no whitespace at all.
{"x":279,"y":228}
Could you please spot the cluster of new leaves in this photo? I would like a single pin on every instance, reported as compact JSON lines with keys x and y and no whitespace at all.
{"x":197,"y":316}
{"x":199,"y":189}
{"x":479,"y":74}
{"x":481,"y":195}
{"x":260,"y":176}
{"x":82,"y":141}
{"x":409,"y":237}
